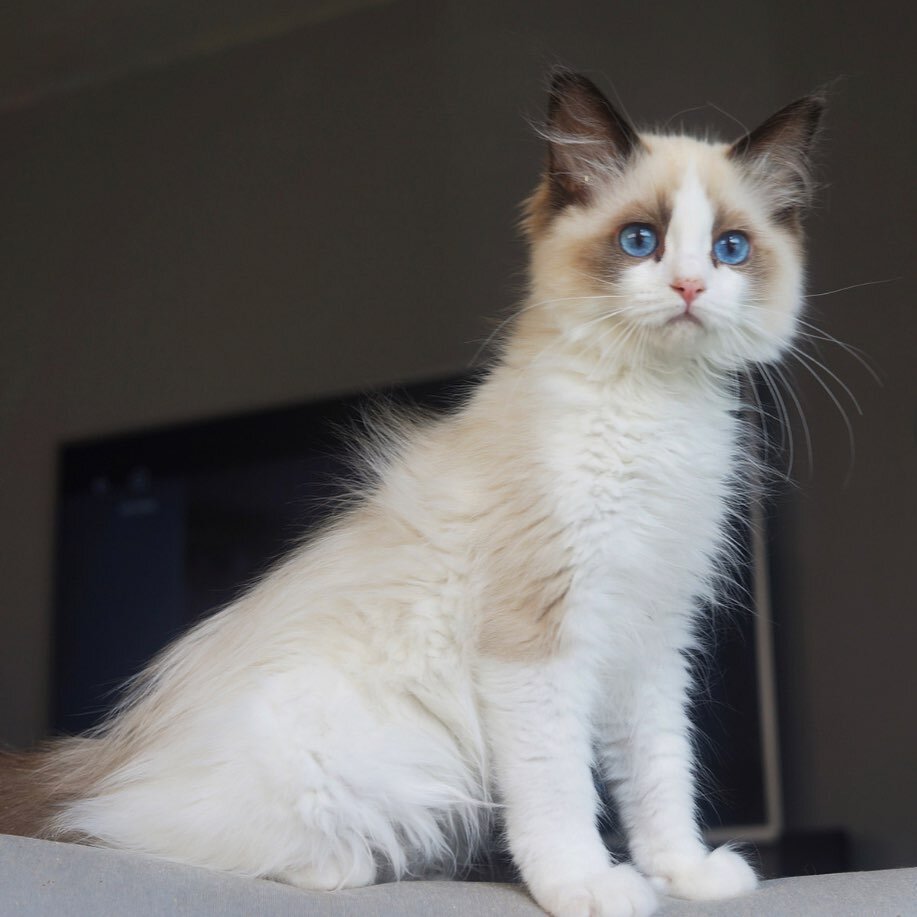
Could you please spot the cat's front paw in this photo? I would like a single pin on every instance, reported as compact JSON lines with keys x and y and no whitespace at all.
{"x":721,"y":873}
{"x":619,"y":891}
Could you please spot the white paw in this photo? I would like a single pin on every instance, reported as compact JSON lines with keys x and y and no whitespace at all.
{"x":619,"y":891}
{"x":722,"y":873}
{"x":331,"y":875}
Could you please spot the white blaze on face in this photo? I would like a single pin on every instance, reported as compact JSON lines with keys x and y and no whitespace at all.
{"x":689,"y":237}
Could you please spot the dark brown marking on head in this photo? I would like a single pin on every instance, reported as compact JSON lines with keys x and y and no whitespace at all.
{"x":603,"y":259}
{"x":762,"y":260}
{"x":779,"y":153}
{"x":761,"y":265}
{"x":588,"y":139}
{"x":793,"y":128}
{"x":537,"y":211}
{"x":790,"y":219}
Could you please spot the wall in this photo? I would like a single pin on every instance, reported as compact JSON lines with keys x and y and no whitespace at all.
{"x":849,"y":597}
{"x":334,"y":207}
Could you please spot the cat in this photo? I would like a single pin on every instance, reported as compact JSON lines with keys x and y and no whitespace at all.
{"x":514,"y":601}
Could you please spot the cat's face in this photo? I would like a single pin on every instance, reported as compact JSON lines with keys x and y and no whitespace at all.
{"x":655,"y":246}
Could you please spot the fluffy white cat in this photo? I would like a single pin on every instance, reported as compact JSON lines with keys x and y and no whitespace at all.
{"x":511,"y":603}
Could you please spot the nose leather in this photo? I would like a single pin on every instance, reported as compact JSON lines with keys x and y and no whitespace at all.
{"x":689,"y":289}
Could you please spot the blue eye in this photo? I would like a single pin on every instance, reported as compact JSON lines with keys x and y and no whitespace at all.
{"x":638,"y":240}
{"x":732,"y":247}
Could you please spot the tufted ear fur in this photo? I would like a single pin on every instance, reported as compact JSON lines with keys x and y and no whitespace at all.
{"x":778,"y":154}
{"x":588,"y":139}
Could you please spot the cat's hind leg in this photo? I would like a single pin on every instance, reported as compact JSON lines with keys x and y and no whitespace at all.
{"x":361,"y":777}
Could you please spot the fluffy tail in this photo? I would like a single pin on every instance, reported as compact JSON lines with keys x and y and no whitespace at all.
{"x":25,"y":800}
{"x":35,"y":784}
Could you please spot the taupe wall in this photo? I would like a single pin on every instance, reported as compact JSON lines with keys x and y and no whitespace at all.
{"x":334,"y":208}
{"x":849,"y":593}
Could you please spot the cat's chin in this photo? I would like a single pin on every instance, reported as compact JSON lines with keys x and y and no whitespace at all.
{"x":682,"y":319}
{"x":684,"y":333}
{"x":688,"y":339}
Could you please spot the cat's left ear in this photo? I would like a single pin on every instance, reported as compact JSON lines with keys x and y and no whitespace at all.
{"x":588,"y":139}
{"x":778,"y":153}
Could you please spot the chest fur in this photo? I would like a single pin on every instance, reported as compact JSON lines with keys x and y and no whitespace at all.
{"x":643,"y":484}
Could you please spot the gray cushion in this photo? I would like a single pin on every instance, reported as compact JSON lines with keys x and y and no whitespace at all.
{"x":65,"y":880}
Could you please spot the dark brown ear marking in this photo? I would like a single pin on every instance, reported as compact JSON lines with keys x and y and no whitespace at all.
{"x":779,"y":152}
{"x":794,"y":126}
{"x":586,"y":137}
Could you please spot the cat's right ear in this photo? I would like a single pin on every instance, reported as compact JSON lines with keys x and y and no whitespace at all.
{"x":778,"y":154}
{"x":588,"y":139}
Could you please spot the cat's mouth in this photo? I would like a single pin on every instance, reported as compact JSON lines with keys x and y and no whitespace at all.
{"x":685,"y":318}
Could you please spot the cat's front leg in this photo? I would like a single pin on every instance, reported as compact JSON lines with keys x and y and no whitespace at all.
{"x":647,"y":759}
{"x":539,"y":729}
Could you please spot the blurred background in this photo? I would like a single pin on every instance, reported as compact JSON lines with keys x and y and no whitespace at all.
{"x":215,"y":207}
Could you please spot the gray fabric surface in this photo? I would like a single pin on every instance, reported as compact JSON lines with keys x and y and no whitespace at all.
{"x":39,"y":878}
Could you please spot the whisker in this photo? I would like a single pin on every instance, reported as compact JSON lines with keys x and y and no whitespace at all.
{"x":786,"y":429}
{"x":600,"y":318}
{"x":726,"y":114}
{"x":758,"y":409}
{"x":828,"y":390}
{"x":802,"y":417}
{"x":853,"y":286}
{"x":603,"y":281}
{"x":802,"y":355}
{"x":859,"y":355}
{"x":816,"y":368}
{"x":528,"y":307}
{"x":678,"y":114}
{"x":490,"y":337}
{"x":760,"y":300}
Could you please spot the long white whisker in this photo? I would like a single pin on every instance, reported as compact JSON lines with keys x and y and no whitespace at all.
{"x":859,"y":355}
{"x":813,"y":365}
{"x":853,"y":286}
{"x":802,"y":417}
{"x":840,"y":409}
{"x":786,"y":429}
{"x":759,"y":410}
{"x":802,"y":355}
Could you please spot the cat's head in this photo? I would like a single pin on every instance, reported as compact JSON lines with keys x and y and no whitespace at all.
{"x":667,"y":245}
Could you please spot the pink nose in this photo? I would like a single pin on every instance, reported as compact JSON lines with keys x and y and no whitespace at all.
{"x":689,"y":289}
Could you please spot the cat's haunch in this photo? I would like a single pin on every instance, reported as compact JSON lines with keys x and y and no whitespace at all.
{"x":512,"y":602}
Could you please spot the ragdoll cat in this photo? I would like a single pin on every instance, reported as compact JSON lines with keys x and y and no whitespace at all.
{"x":512,"y":602}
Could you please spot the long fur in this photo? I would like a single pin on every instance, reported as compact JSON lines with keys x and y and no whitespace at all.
{"x":512,"y":598}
